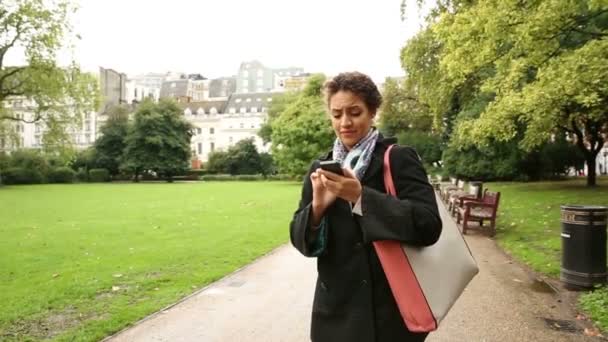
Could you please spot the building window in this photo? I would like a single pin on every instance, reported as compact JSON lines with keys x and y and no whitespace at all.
{"x":260,"y":72}
{"x":259,"y":99}
{"x":243,"y":109}
{"x":230,"y":140}
{"x":269,"y":99}
{"x":200,"y":111}
{"x":263,"y":109}
{"x":248,"y":99}
{"x":242,"y":125}
{"x":254,"y":109}
{"x":211,"y":130}
{"x":199,"y":130}
{"x":213,"y":110}
{"x":200,"y":148}
{"x":252,"y":125}
{"x":212,"y":147}
{"x":238,"y":100}
{"x":87,"y":138}
{"x":173,"y":85}
{"x":232,"y":110}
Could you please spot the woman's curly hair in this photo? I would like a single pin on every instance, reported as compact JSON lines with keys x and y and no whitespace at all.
{"x":358,"y":83}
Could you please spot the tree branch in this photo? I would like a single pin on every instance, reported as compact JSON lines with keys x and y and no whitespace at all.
{"x":5,"y":48}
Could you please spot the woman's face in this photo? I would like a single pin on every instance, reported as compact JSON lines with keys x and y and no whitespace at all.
{"x":350,"y":117}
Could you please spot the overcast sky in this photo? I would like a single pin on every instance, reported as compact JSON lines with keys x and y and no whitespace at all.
{"x":214,"y":37}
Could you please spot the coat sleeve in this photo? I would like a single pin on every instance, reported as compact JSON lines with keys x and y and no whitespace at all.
{"x":310,"y":243}
{"x":412,"y":217}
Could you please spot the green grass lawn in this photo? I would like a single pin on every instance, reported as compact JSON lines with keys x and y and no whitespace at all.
{"x":529,"y":226}
{"x":79,"y":262}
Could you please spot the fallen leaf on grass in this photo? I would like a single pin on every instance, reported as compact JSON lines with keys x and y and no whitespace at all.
{"x":55,"y":275}
{"x":117,"y":275}
{"x":592,"y":332}
{"x":115,"y":288}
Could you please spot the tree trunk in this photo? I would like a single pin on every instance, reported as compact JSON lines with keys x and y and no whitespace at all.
{"x":591,"y":174}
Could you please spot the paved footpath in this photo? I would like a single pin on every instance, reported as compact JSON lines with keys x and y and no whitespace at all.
{"x":270,"y":300}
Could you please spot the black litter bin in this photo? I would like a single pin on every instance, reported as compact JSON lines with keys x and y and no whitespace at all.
{"x":583,"y":245}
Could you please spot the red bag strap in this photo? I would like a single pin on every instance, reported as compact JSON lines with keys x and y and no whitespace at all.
{"x":388,"y":176}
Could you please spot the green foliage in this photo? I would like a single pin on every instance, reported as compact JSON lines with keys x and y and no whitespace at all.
{"x":109,"y":147}
{"x":401,"y":110}
{"x":596,"y":304}
{"x":61,"y":175}
{"x":35,"y":31}
{"x":19,"y":175}
{"x":427,"y":145}
{"x":5,"y":160}
{"x":158,"y":140}
{"x":241,"y":159}
{"x":302,"y":132}
{"x":82,"y":175}
{"x":29,"y":159}
{"x":542,"y":66}
{"x":84,"y":159}
{"x":99,"y":175}
{"x":277,"y":106}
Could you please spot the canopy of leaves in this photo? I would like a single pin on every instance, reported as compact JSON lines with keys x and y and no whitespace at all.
{"x":158,"y":140}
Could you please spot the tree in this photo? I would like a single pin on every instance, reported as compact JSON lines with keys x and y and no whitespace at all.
{"x":302,"y":132}
{"x":541,"y":63}
{"x":241,"y":159}
{"x":109,"y":148}
{"x":36,"y":30}
{"x":277,"y":106}
{"x":401,"y":109}
{"x":158,"y":140}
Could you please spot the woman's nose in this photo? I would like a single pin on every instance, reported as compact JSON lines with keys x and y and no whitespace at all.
{"x":345,"y":121}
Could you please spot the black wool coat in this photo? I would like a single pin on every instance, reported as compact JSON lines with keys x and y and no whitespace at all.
{"x":353,"y":301}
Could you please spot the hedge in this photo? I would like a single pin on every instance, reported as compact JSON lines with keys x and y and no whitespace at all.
{"x":18,"y":175}
{"x":61,"y":175}
{"x":99,"y":175}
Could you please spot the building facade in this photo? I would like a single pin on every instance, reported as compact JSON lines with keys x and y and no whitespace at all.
{"x":113,"y":87}
{"x":221,"y":124}
{"x":30,"y":134}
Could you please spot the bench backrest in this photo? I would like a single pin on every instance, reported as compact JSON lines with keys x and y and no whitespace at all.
{"x":461,"y":184}
{"x":490,"y":197}
{"x":474,"y":190}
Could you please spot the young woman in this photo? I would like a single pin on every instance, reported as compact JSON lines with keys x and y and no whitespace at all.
{"x":339,"y":216}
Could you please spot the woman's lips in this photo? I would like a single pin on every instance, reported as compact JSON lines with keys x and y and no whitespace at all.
{"x":347,"y":133}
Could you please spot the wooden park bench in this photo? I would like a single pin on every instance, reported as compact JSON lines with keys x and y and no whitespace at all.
{"x":479,"y":211}
{"x":457,"y":198}
{"x":447,"y":190}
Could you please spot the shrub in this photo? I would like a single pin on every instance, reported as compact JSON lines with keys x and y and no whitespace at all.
{"x":62,"y":174}
{"x":18,"y":175}
{"x":99,"y":175}
{"x":82,"y":175}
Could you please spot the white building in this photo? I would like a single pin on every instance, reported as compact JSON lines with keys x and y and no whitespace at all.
{"x":221,"y":124}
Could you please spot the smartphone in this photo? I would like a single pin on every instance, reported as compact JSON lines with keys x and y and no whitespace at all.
{"x":332,"y":166}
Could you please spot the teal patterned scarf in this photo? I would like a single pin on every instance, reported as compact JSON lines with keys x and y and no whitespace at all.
{"x":358,"y":158}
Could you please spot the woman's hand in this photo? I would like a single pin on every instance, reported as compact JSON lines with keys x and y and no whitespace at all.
{"x":321,"y":197}
{"x":346,"y":187}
